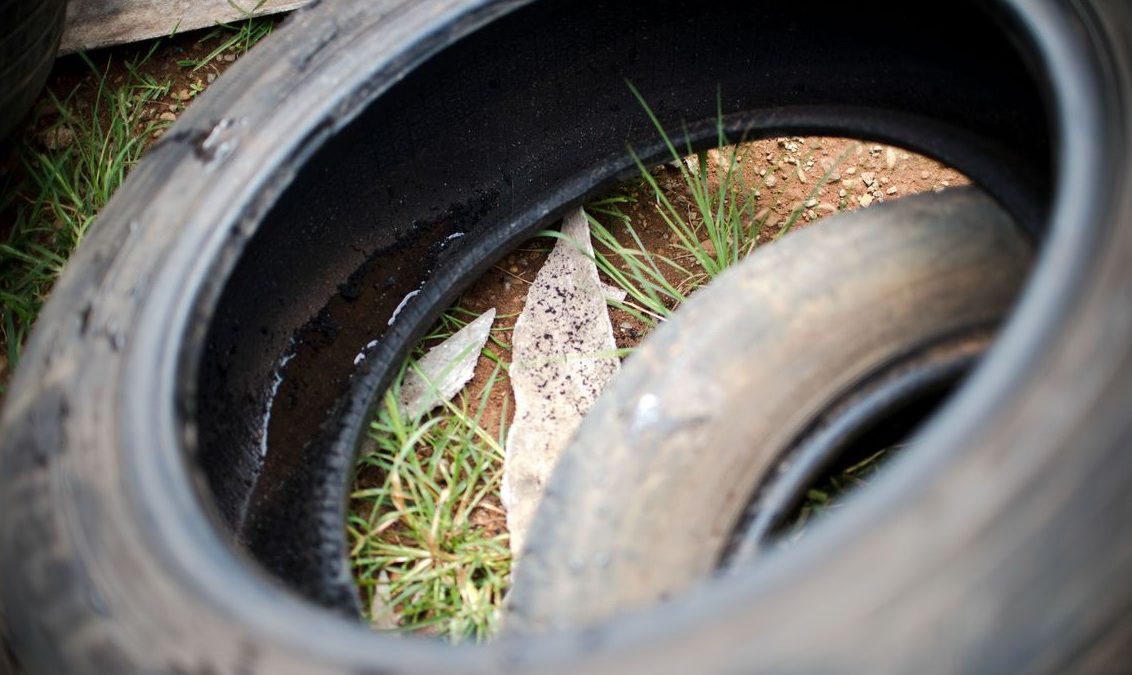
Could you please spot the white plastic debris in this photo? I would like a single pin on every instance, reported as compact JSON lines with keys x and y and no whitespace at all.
{"x":445,"y":369}
{"x":563,"y":356}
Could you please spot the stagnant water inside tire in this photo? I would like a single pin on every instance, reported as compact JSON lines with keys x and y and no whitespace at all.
{"x":428,"y":534}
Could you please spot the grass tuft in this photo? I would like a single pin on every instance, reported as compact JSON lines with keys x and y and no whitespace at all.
{"x":722,"y":228}
{"x":65,"y":187}
{"x":429,"y":547}
{"x":236,"y":38}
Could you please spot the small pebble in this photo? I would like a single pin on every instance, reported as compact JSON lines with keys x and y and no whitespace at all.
{"x":892,"y":190}
{"x":167,"y":117}
{"x":58,"y":138}
{"x":865,"y":200}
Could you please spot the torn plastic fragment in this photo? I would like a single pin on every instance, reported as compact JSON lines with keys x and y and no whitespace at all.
{"x":445,"y":369}
{"x":563,"y":355}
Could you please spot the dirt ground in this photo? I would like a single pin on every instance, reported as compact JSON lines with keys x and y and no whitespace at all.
{"x":816,"y":176}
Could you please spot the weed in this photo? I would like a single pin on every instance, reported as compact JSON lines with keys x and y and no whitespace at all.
{"x":236,"y":38}
{"x":424,"y":550}
{"x":66,"y":186}
{"x":723,"y":228}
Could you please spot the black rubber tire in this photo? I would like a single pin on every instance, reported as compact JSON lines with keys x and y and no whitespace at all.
{"x":144,"y":532}
{"x":29,"y":37}
{"x":650,"y":493}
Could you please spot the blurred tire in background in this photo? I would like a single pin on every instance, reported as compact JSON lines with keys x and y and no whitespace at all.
{"x":29,"y":36}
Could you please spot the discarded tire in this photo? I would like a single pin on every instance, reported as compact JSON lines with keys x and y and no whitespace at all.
{"x":172,"y":495}
{"x":649,"y":495}
{"x":29,"y":35}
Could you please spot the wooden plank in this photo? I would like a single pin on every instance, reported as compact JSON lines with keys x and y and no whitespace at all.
{"x":101,"y":23}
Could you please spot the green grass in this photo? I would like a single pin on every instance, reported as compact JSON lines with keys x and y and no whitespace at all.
{"x":64,"y":188}
{"x":830,"y":493}
{"x":58,"y":191}
{"x":236,"y":38}
{"x":724,"y":227}
{"x":422,"y":556}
